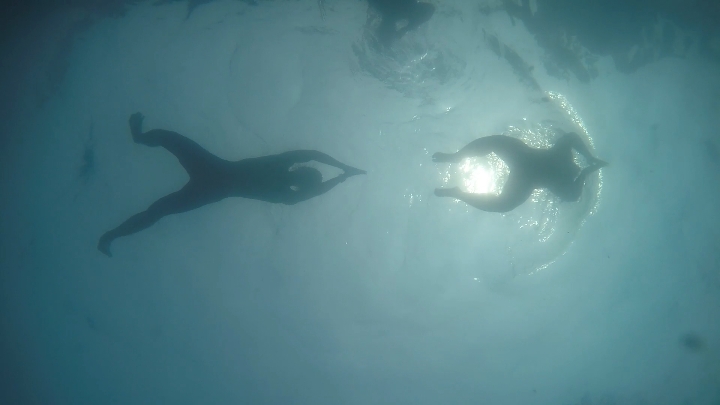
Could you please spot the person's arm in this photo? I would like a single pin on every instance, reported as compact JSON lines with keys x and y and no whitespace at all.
{"x":322,"y":188}
{"x":577,"y":143}
{"x":302,"y":156}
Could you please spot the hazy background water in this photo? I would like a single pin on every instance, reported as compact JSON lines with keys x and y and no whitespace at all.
{"x":376,"y":292}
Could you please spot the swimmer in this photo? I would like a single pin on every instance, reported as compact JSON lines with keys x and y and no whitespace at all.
{"x":399,"y":17}
{"x":530,"y":168}
{"x":266,"y":178}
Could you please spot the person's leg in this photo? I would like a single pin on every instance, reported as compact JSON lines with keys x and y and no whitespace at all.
{"x":196,"y":160}
{"x":186,"y":199}
{"x":515,"y":192}
{"x":419,"y":13}
{"x":505,"y":147}
{"x":395,"y":12}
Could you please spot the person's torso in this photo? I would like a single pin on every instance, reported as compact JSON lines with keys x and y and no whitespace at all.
{"x":546,"y":168}
{"x":259,"y":179}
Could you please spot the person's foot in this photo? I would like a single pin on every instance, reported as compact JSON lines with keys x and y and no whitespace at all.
{"x":135,"y":122}
{"x":420,"y":14}
{"x":447,"y":192}
{"x":442,"y":157}
{"x":104,"y":246}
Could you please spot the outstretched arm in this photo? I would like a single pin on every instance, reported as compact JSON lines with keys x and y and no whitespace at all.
{"x":322,"y":188}
{"x":574,"y":141}
{"x":302,"y":156}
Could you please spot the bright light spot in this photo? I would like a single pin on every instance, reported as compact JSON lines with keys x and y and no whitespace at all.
{"x":478,"y":177}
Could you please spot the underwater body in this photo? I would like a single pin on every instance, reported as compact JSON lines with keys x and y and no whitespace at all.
{"x":377,"y":291}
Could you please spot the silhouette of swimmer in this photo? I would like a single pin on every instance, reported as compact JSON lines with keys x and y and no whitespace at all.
{"x":266,"y":178}
{"x":530,"y":168}
{"x":399,"y":17}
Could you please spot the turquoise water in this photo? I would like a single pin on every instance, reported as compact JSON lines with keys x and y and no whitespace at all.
{"x":377,"y":292}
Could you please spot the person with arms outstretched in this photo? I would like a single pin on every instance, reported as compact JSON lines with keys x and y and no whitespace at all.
{"x":530,"y":168}
{"x":268,"y":178}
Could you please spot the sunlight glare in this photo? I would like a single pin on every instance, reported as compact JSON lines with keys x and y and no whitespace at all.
{"x":479,"y":176}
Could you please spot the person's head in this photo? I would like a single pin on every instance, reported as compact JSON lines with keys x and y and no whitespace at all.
{"x":305,"y":177}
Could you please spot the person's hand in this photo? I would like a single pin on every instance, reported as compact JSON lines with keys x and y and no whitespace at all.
{"x":351,"y":171}
{"x":136,"y":120}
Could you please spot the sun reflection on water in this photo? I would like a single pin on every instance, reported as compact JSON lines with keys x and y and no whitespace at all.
{"x":483,"y":174}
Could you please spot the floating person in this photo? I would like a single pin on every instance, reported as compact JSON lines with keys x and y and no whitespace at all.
{"x":399,"y":17}
{"x":530,"y":168}
{"x":267,"y":178}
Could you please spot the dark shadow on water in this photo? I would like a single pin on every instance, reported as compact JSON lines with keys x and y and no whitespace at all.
{"x":692,"y":342}
{"x":87,"y":166}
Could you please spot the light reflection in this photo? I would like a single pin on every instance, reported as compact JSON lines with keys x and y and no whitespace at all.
{"x":481,"y":175}
{"x":478,"y":178}
{"x":484,"y":175}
